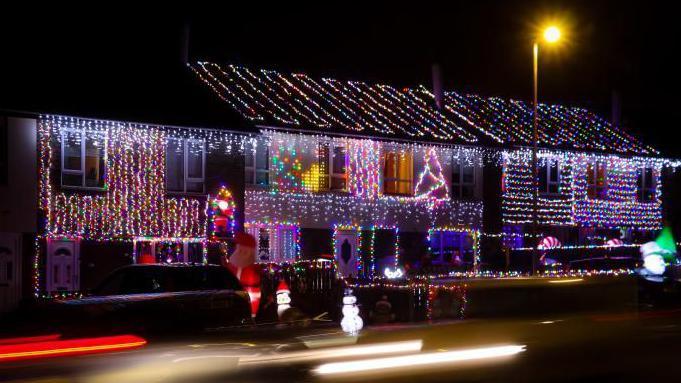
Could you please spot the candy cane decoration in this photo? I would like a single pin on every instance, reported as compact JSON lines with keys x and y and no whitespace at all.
{"x":549,"y":243}
{"x":614,"y":242}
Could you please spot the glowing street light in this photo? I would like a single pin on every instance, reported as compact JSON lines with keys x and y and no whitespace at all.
{"x":552,"y":34}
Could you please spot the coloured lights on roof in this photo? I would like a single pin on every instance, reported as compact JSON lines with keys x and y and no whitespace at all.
{"x":301,"y":101}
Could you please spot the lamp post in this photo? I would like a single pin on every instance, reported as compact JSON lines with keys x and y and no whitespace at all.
{"x":551,"y":35}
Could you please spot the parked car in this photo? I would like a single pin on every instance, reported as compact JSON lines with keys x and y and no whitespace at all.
{"x":153,"y":299}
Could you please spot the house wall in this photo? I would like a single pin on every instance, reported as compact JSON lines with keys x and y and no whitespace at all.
{"x":134,"y":202}
{"x":572,"y":207}
{"x":18,"y":195}
{"x":18,"y":212}
{"x":293,"y":195}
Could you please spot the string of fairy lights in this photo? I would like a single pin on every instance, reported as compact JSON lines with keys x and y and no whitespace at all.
{"x":617,"y":206}
{"x":301,"y":101}
{"x":132,"y":203}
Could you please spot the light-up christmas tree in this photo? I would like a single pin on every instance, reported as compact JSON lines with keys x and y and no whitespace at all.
{"x":432,"y":183}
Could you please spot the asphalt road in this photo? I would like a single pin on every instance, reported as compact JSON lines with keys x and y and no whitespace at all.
{"x":607,"y":340}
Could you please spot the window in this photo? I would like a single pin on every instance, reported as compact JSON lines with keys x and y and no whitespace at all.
{"x":597,"y":180}
{"x":274,"y":242}
{"x":647,"y":185}
{"x":168,"y":251}
{"x":549,"y":177}
{"x":333,"y":164}
{"x":451,"y":247}
{"x":257,"y":164}
{"x":463,"y":180}
{"x":397,"y":173}
{"x":185,"y":165}
{"x":83,"y":159}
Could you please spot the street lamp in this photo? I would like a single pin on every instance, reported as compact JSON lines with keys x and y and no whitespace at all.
{"x":551,"y":35}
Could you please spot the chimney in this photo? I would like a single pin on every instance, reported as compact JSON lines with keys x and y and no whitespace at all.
{"x":437,"y":86}
{"x":616,"y":112}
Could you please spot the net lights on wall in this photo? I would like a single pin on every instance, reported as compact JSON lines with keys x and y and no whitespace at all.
{"x":572,"y":205}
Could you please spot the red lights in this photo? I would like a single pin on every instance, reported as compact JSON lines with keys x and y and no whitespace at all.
{"x":53,"y":348}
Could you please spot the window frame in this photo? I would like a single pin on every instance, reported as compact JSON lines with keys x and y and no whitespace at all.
{"x":397,"y":179}
{"x":331,"y":174}
{"x":643,"y":185}
{"x":463,"y":237}
{"x":83,"y":155}
{"x":546,"y":168}
{"x":253,"y":171}
{"x":185,"y":162}
{"x":458,"y":185}
{"x":595,"y":165}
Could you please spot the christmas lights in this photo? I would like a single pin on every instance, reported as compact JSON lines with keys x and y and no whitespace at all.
{"x":132,"y":203}
{"x":323,"y":210}
{"x":301,"y":101}
{"x":283,"y":239}
{"x":572,"y":205}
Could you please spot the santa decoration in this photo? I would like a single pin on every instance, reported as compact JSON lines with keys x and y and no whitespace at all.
{"x":283,"y":298}
{"x":242,"y":265}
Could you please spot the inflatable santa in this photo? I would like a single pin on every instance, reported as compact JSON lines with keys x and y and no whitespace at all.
{"x":242,"y":265}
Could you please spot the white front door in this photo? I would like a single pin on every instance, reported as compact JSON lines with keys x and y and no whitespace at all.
{"x":10,"y":271}
{"x":345,"y":249}
{"x":62,"y":266}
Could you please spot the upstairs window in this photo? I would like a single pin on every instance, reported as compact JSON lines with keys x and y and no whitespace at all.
{"x":398,"y":173}
{"x":257,"y":164}
{"x":83,"y":159}
{"x":597,"y":180}
{"x":185,"y":165}
{"x":647,"y":185}
{"x":463,"y":180}
{"x":333,"y":165}
{"x":549,"y":177}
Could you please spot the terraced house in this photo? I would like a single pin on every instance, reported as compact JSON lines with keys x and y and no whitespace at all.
{"x":374,"y":176}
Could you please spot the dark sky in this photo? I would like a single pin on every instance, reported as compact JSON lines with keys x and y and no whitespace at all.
{"x":126,"y":63}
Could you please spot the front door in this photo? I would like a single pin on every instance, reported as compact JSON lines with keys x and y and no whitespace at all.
{"x":10,"y":271}
{"x":62,"y":266}
{"x":346,"y":252}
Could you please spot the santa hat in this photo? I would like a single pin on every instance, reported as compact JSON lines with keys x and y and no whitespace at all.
{"x":244,"y":239}
{"x":283,"y":287}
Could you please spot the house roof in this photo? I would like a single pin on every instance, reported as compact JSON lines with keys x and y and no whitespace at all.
{"x":325,"y":105}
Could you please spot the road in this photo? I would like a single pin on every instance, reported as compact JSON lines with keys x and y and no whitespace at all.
{"x":516,"y":330}
{"x":603,"y":347}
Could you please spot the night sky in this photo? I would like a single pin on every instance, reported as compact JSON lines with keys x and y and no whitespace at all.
{"x":126,"y":63}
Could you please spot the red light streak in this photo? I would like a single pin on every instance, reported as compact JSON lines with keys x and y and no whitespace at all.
{"x":81,"y":346}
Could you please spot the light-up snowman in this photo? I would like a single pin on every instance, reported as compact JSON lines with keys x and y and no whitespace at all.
{"x":351,"y":321}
